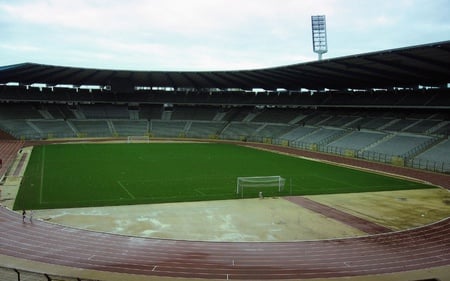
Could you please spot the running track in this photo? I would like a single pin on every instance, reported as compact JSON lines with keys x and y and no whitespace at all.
{"x":413,"y":249}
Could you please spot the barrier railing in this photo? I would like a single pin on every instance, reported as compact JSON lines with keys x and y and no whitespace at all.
{"x":397,"y":160}
{"x":425,"y":164}
{"x":9,"y":274}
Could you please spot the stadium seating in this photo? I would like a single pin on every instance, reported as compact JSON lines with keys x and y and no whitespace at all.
{"x":105,"y":111}
{"x":422,"y":126}
{"x":9,"y":111}
{"x":435,"y":155}
{"x":20,"y":129}
{"x":201,"y":129}
{"x":92,"y":128}
{"x":237,"y":114}
{"x":276,"y":115}
{"x":150,"y":112}
{"x":53,"y":128}
{"x":442,"y":128}
{"x":375,"y":123}
{"x":380,"y":132}
{"x":159,"y":128}
{"x":60,"y":111}
{"x":131,"y":127}
{"x":398,"y":145}
{"x":317,"y":118}
{"x":236,"y":130}
{"x":193,"y":113}
{"x":398,"y":125}
{"x":357,"y":140}
{"x":272,"y":130}
{"x":298,"y":133}
{"x":321,"y":136}
{"x":341,"y":121}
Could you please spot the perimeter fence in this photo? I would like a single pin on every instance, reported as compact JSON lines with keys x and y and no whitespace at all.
{"x":11,"y":274}
{"x":404,"y":160}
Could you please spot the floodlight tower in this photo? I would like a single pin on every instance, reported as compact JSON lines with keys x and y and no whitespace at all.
{"x":319,"y":35}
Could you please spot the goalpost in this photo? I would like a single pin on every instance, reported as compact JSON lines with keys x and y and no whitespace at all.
{"x":138,"y":139}
{"x":252,"y":182}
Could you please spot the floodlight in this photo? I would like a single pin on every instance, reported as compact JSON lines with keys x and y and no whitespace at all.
{"x":319,"y":35}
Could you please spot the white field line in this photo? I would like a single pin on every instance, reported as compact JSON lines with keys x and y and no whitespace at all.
{"x":199,"y":192}
{"x":126,"y":190}
{"x":42,"y":175}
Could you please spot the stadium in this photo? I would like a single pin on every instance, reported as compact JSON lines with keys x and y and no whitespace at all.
{"x":302,"y":134}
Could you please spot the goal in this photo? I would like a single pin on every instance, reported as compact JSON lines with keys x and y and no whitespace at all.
{"x":254,"y":182}
{"x":138,"y":139}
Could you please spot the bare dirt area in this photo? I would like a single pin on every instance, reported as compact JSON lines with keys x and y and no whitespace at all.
{"x":397,"y":210}
{"x":269,"y":219}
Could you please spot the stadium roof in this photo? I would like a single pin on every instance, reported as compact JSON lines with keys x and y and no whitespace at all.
{"x":427,"y":65}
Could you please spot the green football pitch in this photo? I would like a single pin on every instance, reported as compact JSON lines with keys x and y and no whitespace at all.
{"x":82,"y":175}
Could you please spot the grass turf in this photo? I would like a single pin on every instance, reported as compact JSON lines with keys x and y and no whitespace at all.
{"x":82,"y":175}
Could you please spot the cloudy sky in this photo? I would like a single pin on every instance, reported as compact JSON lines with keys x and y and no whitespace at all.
{"x":208,"y":34}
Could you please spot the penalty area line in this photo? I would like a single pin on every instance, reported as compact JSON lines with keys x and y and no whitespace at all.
{"x":41,"y":183}
{"x":199,"y":192}
{"x":126,"y":190}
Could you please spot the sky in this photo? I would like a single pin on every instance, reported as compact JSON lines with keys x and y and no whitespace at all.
{"x":206,"y":35}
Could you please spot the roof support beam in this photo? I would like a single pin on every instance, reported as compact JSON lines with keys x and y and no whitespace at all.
{"x":405,"y":76}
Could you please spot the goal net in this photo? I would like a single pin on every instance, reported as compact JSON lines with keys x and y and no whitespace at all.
{"x":259,"y":182}
{"x":138,"y":139}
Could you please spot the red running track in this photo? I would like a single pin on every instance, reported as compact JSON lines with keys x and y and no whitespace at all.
{"x":384,"y":253}
{"x":418,"y":248}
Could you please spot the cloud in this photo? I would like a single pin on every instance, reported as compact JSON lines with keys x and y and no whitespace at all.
{"x":212,"y":34}
{"x":19,"y":48}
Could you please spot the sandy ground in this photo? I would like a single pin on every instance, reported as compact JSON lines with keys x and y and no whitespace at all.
{"x":397,"y":210}
{"x":226,"y":220}
{"x":269,"y":219}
